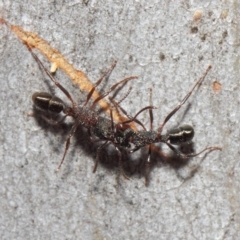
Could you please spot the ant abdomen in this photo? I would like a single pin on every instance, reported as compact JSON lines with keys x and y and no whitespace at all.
{"x":182,"y":134}
{"x":48,"y":103}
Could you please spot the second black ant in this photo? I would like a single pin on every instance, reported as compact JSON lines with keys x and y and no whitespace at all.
{"x":134,"y":140}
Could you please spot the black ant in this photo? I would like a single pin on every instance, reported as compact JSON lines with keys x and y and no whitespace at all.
{"x":102,"y":128}
{"x":121,"y":135}
{"x":134,"y":140}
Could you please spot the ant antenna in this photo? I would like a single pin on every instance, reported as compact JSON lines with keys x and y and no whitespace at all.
{"x":198,"y":83}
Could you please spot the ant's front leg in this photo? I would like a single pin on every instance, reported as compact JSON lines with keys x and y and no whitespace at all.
{"x":99,"y":148}
{"x":50,"y":120}
{"x":184,"y":134}
{"x":186,"y":156}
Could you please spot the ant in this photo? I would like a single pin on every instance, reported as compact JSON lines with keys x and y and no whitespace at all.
{"x":134,"y":140}
{"x":121,"y":135}
{"x":97,"y":126}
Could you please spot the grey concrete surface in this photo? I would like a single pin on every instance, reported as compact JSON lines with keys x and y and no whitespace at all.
{"x":161,"y":43}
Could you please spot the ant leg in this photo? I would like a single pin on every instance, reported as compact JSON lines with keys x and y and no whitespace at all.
{"x":134,"y":118}
{"x":112,"y":122}
{"x":208,"y":149}
{"x":185,"y":156}
{"x":67,"y":144}
{"x":148,"y":165}
{"x":148,"y":162}
{"x":98,"y":150}
{"x":198,"y":83}
{"x":51,"y":121}
{"x":125,"y":96}
{"x":93,"y":139}
{"x":120,"y":163}
{"x":111,"y":89}
{"x":118,"y":150}
{"x":150,"y":110}
{"x":117,"y":106}
{"x":97,"y":157}
{"x":103,"y":145}
{"x":51,"y":77}
{"x":131,"y":119}
{"x":99,"y":81}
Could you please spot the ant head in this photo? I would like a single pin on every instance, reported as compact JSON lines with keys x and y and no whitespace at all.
{"x":182,"y":134}
{"x":47,"y":103}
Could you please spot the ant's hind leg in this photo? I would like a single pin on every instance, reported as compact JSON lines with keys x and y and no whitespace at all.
{"x":51,"y":121}
{"x":67,"y":144}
